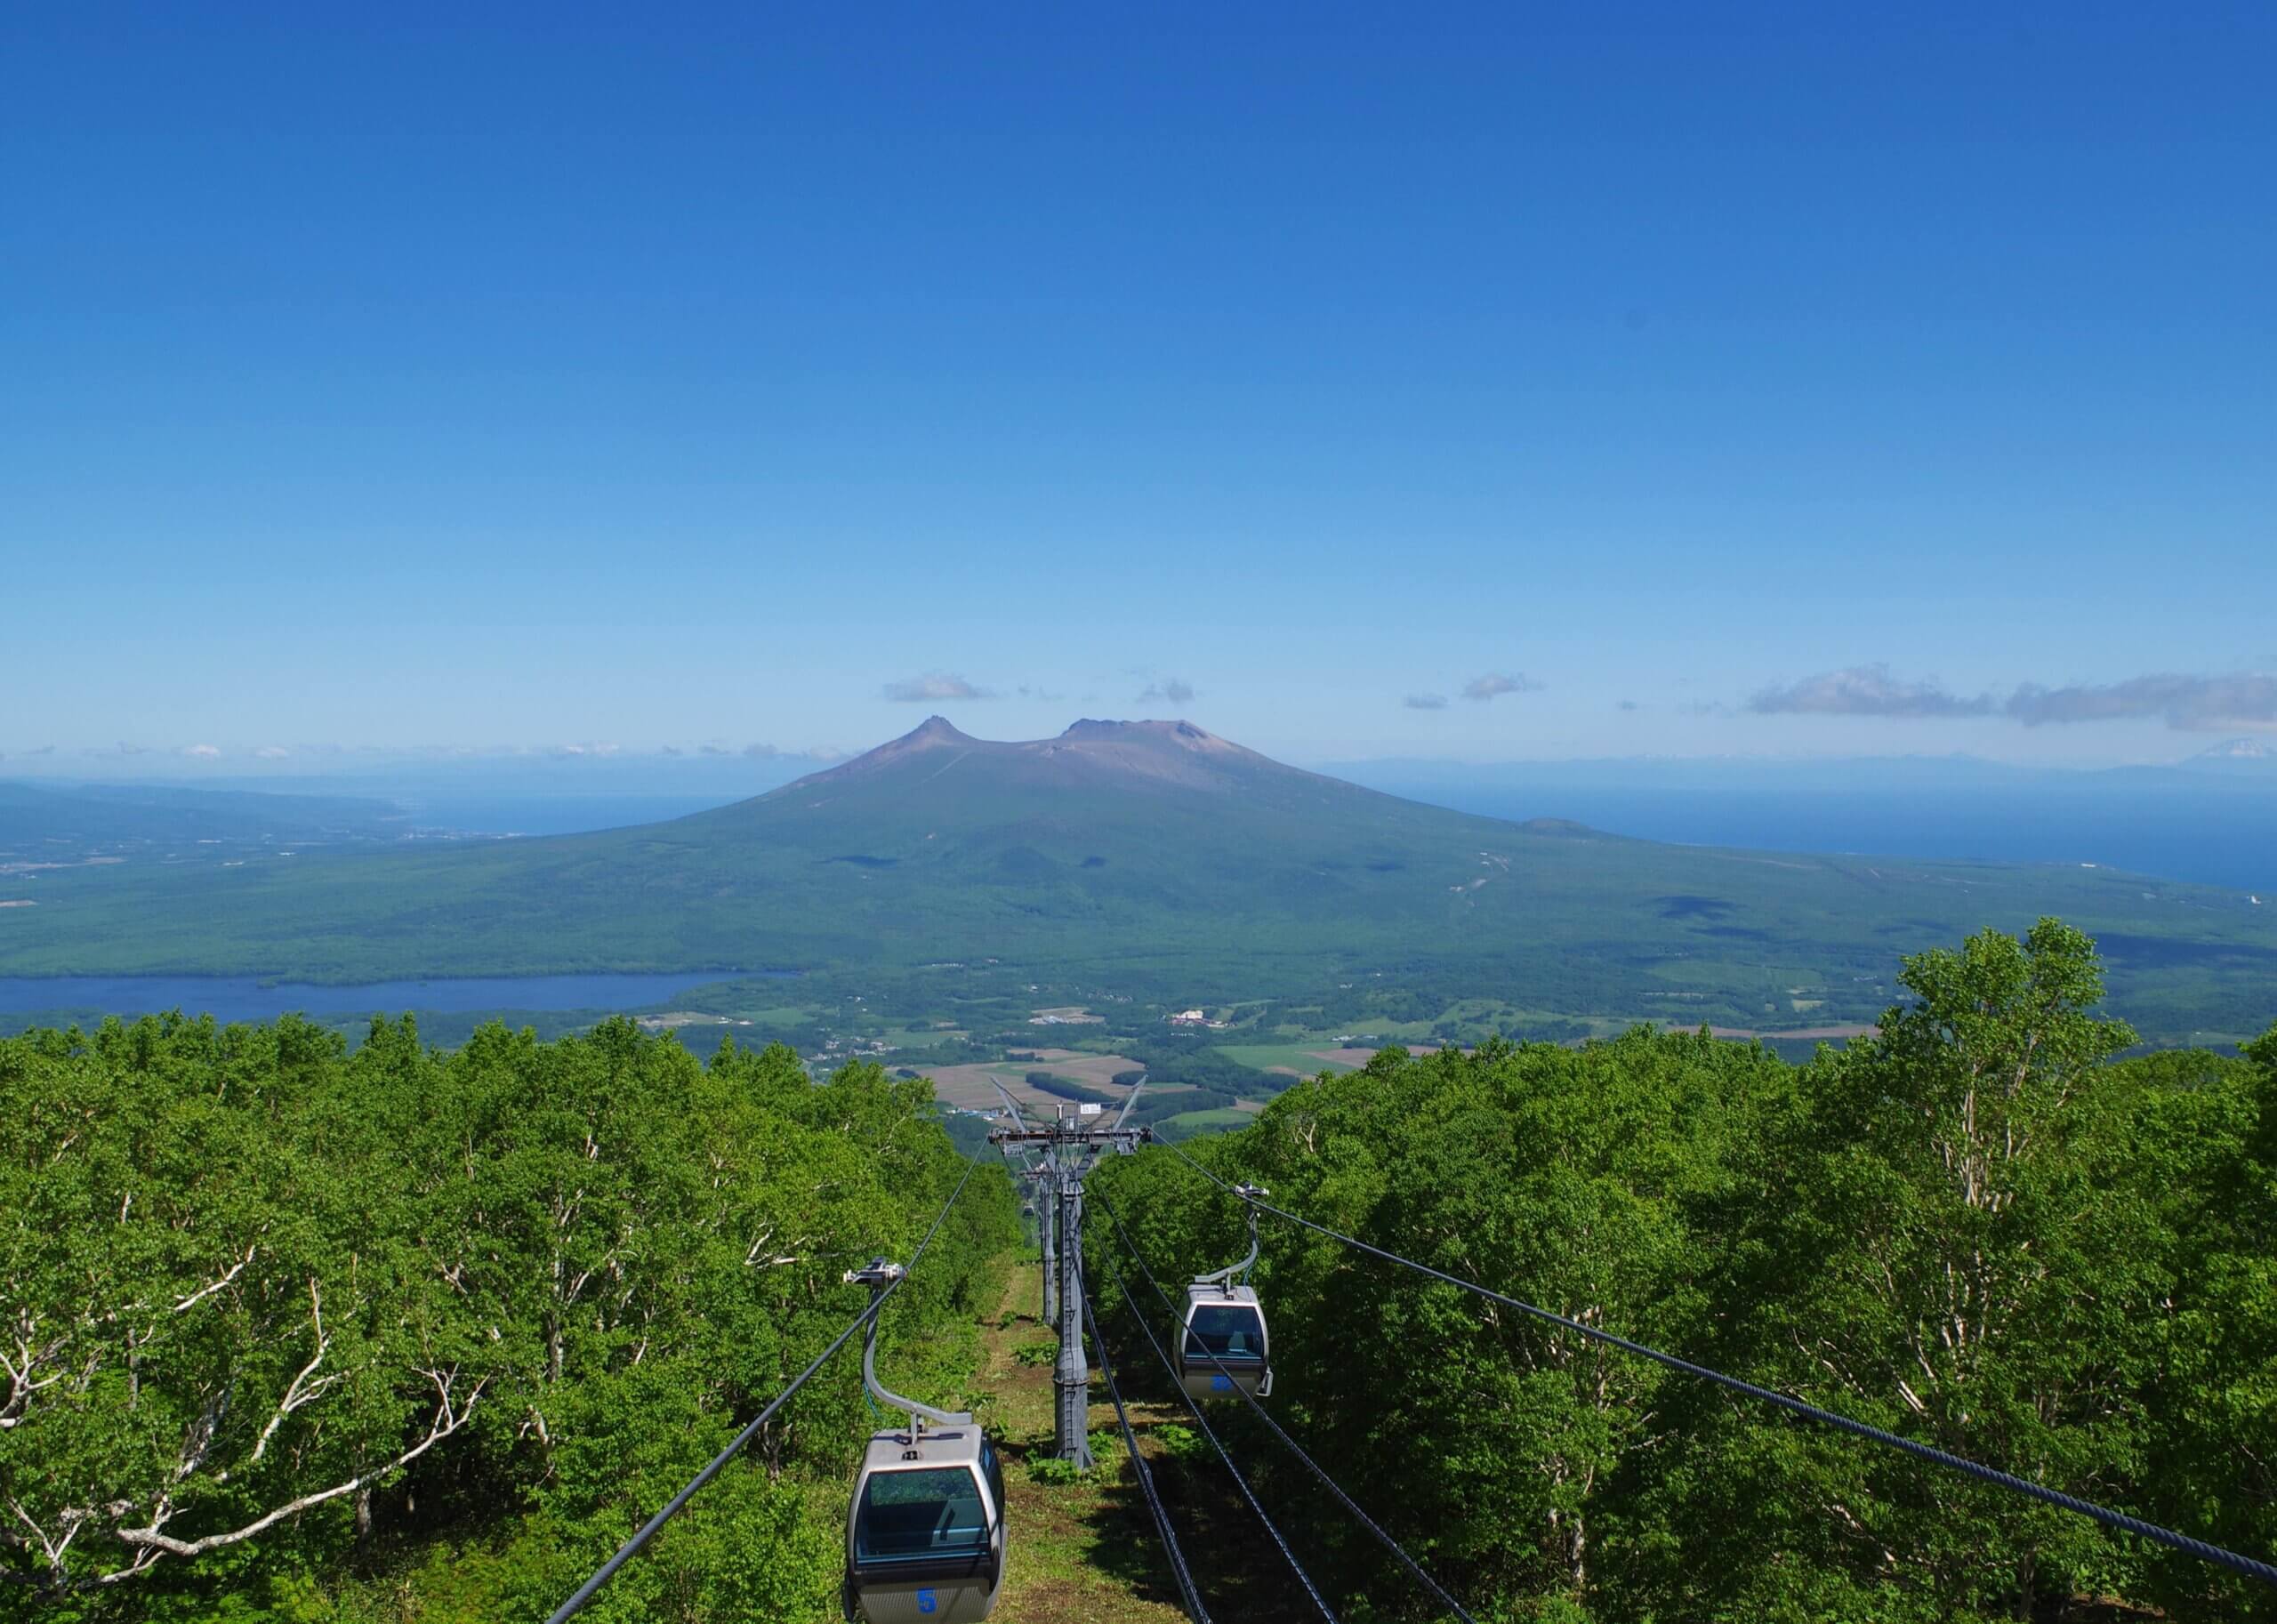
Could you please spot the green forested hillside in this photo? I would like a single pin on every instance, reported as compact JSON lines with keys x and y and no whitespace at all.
{"x":1975,"y":1230}
{"x":293,"y":1335}
{"x":1150,"y":860}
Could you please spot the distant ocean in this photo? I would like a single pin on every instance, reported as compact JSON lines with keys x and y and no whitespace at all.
{"x":2174,"y":826}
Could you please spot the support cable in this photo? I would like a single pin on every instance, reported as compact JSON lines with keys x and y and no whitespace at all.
{"x":1348,"y":1503}
{"x":1240,"y":1482}
{"x":585,"y":1592}
{"x":2236,"y":1561}
{"x":1194,"y":1610}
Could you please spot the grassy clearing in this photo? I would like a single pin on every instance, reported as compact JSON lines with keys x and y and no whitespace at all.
{"x":1080,"y":1551}
{"x":1295,"y":1057}
{"x":1188,"y":1122}
{"x":1087,"y":1550}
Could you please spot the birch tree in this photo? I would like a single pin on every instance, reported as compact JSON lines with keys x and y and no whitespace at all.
{"x":207,"y":1335}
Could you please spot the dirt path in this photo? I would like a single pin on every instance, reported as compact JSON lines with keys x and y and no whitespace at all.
{"x":1078,"y":1551}
{"x":1088,"y":1551}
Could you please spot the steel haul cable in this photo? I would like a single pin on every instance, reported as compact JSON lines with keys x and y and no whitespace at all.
{"x":719,"y":1462}
{"x":1179,"y":1570}
{"x":1247,"y":1493}
{"x":2236,"y":1561}
{"x":1348,"y":1503}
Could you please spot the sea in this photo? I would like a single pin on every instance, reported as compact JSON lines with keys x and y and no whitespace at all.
{"x":2169,"y":826}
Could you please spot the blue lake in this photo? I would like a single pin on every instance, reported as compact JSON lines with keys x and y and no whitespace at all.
{"x":244,"y":998}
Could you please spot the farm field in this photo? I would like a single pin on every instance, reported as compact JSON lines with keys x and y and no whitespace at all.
{"x":968,"y":1086}
{"x":1297,"y":1060}
{"x":1188,"y":1123}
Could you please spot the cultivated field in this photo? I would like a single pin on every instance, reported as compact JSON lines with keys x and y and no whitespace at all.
{"x":968,"y":1086}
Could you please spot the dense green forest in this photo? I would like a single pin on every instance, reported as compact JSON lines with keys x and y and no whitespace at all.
{"x":1977,"y":1229}
{"x":296,"y":1335}
{"x":293,"y":1333}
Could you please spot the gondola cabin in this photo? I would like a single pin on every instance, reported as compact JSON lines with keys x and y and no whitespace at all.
{"x":925,"y":1533}
{"x":1223,"y":1347}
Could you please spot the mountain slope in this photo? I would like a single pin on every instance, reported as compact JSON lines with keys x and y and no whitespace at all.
{"x":1147,"y":857}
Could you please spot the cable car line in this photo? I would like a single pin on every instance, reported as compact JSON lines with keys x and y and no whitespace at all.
{"x":1223,"y":1338}
{"x":2236,"y":1561}
{"x":1249,"y":1494}
{"x":719,"y":1462}
{"x":925,"y":1524}
{"x":1179,"y":1570}
{"x":1293,"y":1447}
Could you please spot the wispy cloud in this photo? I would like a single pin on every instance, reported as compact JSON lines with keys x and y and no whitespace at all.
{"x":1628,"y":704}
{"x":1425,"y":702}
{"x":2189,"y":704}
{"x":1170,"y":690}
{"x":1045,"y":695}
{"x":45,"y":749}
{"x":1865,"y":690}
{"x":934,"y":685}
{"x":714,"y":750}
{"x":1494,"y":683}
{"x":201,"y":753}
{"x":272,"y":753}
{"x":770,"y":752}
{"x":2238,"y":701}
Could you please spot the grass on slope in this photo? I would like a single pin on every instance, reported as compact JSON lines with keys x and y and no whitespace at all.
{"x":1077,"y":1552}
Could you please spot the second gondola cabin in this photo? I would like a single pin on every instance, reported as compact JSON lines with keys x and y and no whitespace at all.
{"x":925,"y":1533}
{"x":1223,"y":1346}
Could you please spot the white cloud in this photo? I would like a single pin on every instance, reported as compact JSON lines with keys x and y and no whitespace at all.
{"x":934,"y":685}
{"x":1865,"y":690}
{"x":1497,"y":682}
{"x":2191,"y":705}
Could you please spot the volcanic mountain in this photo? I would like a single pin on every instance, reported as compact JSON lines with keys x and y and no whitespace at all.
{"x":1151,"y":856}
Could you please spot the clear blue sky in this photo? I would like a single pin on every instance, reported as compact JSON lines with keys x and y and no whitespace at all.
{"x":537,"y":376}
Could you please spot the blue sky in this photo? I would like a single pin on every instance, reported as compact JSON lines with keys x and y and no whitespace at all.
{"x":1789,"y":381}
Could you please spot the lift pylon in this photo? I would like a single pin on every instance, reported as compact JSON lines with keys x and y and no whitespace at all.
{"x":1059,"y":1154}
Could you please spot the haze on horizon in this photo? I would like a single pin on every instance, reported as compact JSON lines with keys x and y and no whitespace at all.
{"x":1515,"y":389}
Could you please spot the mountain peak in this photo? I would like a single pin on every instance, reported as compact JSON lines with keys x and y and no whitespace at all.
{"x":1091,"y":749}
{"x":1182,"y":733}
{"x":935,"y":730}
